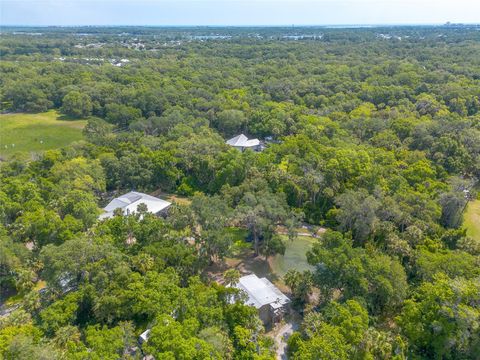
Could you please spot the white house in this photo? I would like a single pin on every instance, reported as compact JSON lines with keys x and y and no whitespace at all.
{"x":130,"y":201}
{"x":241,"y":142}
{"x":270,"y":302}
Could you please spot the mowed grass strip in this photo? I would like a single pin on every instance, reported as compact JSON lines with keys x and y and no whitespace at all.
{"x":471,"y":219}
{"x":27,"y":133}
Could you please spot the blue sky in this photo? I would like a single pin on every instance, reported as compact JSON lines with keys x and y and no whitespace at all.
{"x":236,"y":12}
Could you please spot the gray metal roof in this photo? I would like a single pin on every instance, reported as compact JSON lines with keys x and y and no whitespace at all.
{"x":129,"y":203}
{"x":242,"y":141}
{"x":261,"y":292}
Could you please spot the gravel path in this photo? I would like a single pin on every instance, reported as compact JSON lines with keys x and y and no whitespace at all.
{"x":282,"y":334}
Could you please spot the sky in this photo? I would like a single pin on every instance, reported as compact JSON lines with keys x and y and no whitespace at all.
{"x":237,"y":12}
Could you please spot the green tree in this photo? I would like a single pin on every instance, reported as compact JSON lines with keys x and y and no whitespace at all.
{"x":44,"y":227}
{"x":171,"y":340}
{"x":429,"y":262}
{"x":78,"y":173}
{"x":328,"y":343}
{"x":61,"y":313}
{"x":121,"y":115}
{"x":231,"y":277}
{"x":357,"y":213}
{"x":110,"y":343}
{"x":81,"y":205}
{"x":453,"y":205}
{"x":231,"y":122}
{"x":261,"y":210}
{"x":77,"y":104}
{"x":351,"y":318}
{"x":376,"y":277}
{"x":26,"y":96}
{"x":98,"y":131}
{"x":442,"y":318}
{"x":300,"y":284}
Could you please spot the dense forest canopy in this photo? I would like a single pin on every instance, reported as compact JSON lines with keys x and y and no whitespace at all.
{"x":371,"y":133}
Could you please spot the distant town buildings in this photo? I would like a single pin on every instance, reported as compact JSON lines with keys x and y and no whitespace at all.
{"x":129,"y":203}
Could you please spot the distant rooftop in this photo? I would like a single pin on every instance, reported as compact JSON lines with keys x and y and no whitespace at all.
{"x":242,"y":141}
{"x":261,"y":292}
{"x":130,"y":201}
{"x":144,"y":336}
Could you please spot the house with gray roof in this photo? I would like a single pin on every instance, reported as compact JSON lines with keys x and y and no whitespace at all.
{"x":129,"y":202}
{"x":270,"y":302}
{"x":241,"y":142}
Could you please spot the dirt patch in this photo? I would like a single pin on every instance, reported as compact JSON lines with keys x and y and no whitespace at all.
{"x":248,"y":264}
{"x":173,"y":198}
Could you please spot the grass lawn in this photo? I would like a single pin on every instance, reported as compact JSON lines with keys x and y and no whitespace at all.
{"x":37,"y":132}
{"x":240,"y":246}
{"x":295,"y":255}
{"x":472,"y":219}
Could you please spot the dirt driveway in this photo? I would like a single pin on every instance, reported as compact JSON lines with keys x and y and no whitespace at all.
{"x":282,"y":332}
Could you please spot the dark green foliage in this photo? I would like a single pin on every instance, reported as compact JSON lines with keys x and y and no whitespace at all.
{"x":357,"y":272}
{"x":368,"y":135}
{"x":441,"y":320}
{"x":77,"y":105}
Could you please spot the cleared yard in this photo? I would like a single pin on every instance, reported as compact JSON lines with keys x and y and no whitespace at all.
{"x":243,"y":259}
{"x":295,"y":256}
{"x":27,"y":133}
{"x":472,"y":219}
{"x":173,"y":198}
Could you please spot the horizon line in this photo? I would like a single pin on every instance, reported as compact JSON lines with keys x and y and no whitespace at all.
{"x":245,"y":25}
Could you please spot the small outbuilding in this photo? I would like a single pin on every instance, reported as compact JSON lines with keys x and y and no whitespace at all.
{"x":143,"y":338}
{"x":270,"y":302}
{"x":129,"y":202}
{"x":241,"y":142}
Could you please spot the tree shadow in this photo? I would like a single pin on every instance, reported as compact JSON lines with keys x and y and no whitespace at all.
{"x":247,"y":264}
{"x":63,"y":117}
{"x":258,"y":266}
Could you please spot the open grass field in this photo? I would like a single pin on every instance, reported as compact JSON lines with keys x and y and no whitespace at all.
{"x":27,"y":133}
{"x":295,"y":256}
{"x":471,"y":219}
